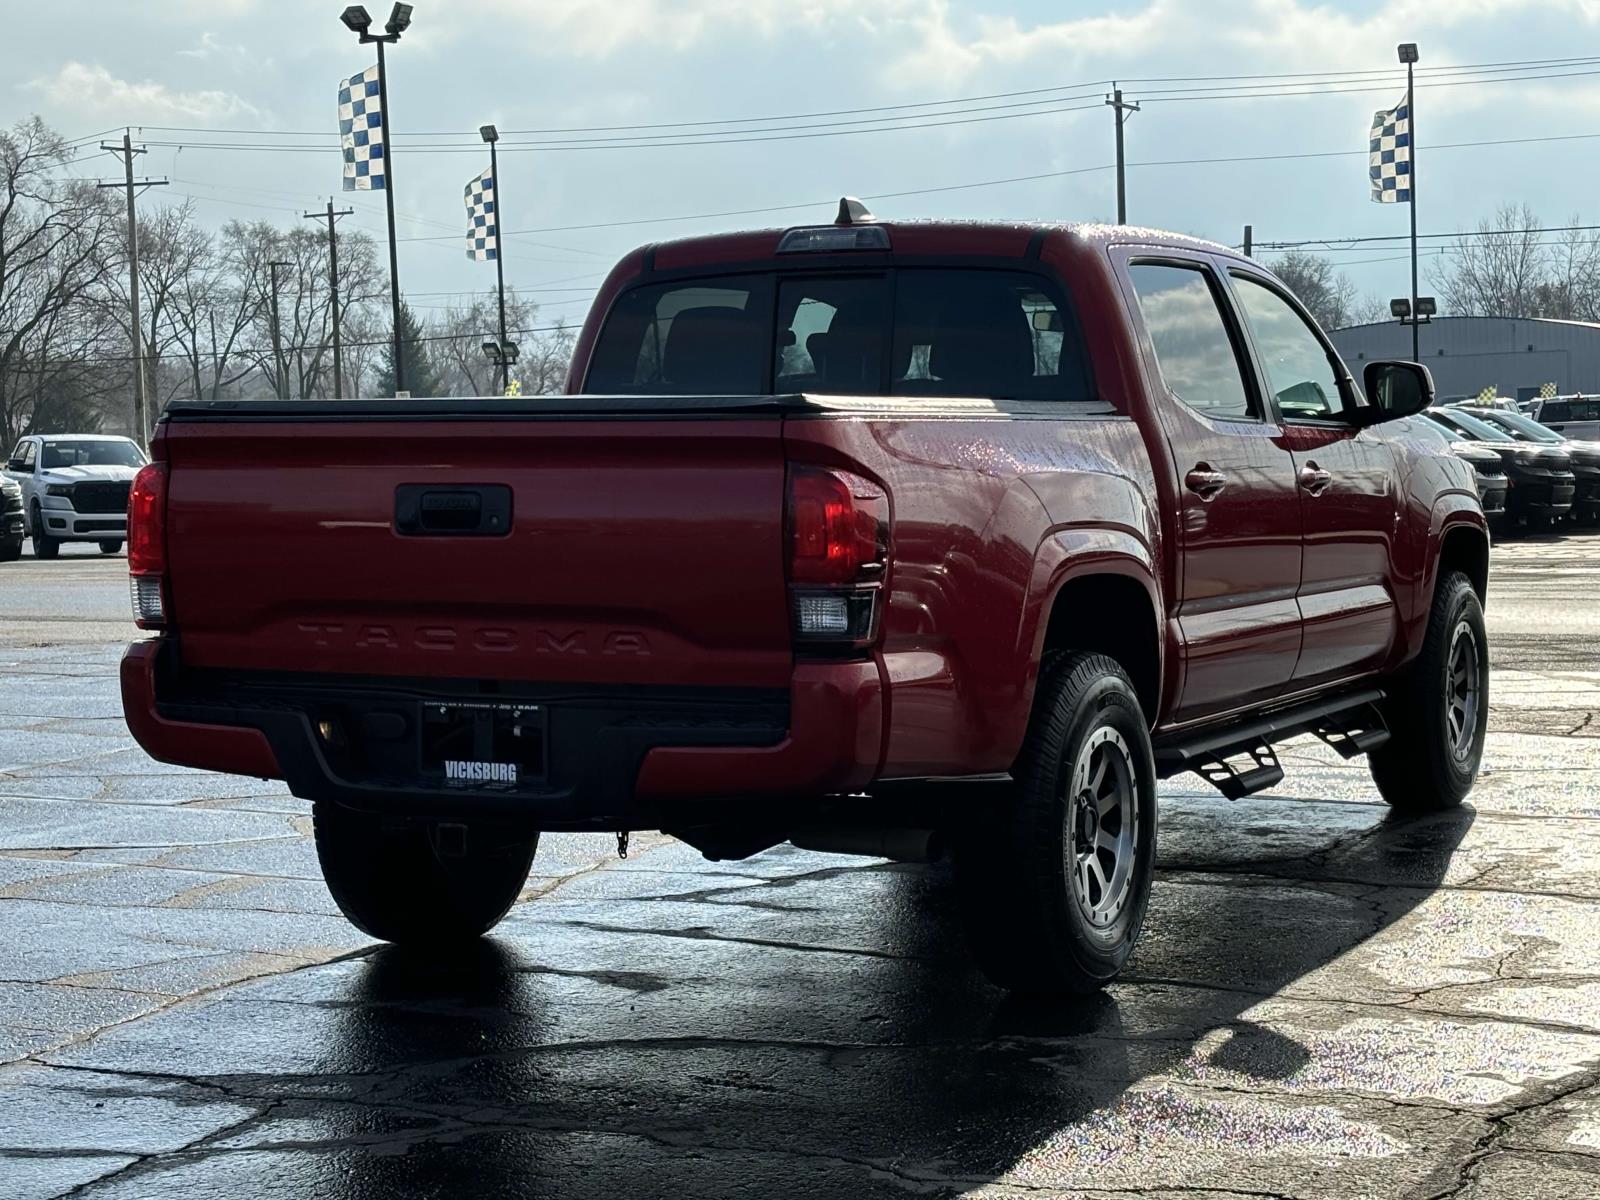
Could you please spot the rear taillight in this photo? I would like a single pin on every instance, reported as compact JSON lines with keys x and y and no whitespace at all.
{"x":147,"y":546}
{"x":838,"y":555}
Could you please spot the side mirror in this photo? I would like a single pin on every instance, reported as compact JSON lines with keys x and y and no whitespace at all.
{"x":14,"y":464}
{"x":1394,"y":390}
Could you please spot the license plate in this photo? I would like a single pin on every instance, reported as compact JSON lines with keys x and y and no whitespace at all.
{"x":481,"y":745}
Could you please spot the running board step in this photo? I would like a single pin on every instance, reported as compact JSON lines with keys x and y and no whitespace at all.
{"x":1355,"y":731}
{"x":1236,"y":784}
{"x":1351,"y":724}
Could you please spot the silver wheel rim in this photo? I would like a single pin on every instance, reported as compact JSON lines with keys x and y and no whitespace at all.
{"x":1102,"y":834}
{"x":1463,"y":692}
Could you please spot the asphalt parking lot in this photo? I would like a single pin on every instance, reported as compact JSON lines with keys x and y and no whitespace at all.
{"x":1326,"y":1002}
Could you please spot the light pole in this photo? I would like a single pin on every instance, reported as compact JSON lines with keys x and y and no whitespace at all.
{"x":358,"y":22}
{"x":492,"y":135}
{"x":1409,"y":56}
{"x":277,"y":332}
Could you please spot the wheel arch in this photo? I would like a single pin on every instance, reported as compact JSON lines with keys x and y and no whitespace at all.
{"x":1104,"y":601}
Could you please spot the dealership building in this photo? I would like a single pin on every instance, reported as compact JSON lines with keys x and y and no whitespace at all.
{"x":1517,"y":356}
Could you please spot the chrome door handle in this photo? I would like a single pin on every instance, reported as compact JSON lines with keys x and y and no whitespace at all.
{"x":1204,"y":482}
{"x":1314,"y":479}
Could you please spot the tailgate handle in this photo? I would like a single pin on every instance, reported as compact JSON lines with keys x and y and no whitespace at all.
{"x":472,"y":510}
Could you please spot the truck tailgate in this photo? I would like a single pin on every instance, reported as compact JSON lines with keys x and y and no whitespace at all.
{"x":639,"y":549}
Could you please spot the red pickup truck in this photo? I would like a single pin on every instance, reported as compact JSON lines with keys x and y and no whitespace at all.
{"x":899,"y":539}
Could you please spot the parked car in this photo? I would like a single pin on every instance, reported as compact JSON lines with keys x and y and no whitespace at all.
{"x":1542,"y":483}
{"x":1489,"y":471}
{"x":877,"y":538}
{"x":1585,"y":455}
{"x":1572,"y":416}
{"x":75,"y":488}
{"x":12,"y":531}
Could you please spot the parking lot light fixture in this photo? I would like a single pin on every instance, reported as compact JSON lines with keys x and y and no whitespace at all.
{"x":1400,"y":309}
{"x":359,"y":21}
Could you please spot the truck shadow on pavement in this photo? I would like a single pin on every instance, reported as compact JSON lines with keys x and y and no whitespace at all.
{"x":784,"y":1028}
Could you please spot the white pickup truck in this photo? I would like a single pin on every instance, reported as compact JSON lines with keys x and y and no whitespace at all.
{"x":75,"y":488}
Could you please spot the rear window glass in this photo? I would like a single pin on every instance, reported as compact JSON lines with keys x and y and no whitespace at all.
{"x":913,"y":332}
{"x":706,"y":337}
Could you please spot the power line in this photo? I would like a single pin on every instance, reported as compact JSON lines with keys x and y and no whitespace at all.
{"x":1352,"y":242}
{"x":983,"y":183}
{"x":1265,"y":80}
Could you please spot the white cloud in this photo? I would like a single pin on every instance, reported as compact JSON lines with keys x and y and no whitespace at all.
{"x":597,"y":28}
{"x":1288,"y":34}
{"x":92,"y":90}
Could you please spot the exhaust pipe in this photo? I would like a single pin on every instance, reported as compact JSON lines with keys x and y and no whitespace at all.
{"x":899,"y":845}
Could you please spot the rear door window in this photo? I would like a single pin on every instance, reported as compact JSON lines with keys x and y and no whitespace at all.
{"x":698,"y":337}
{"x":1193,"y":346}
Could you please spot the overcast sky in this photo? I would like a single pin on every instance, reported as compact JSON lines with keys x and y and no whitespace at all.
{"x":274,"y":65}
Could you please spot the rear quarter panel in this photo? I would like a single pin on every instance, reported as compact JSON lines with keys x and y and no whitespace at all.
{"x":990,"y":518}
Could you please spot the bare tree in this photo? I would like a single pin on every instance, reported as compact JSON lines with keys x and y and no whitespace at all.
{"x":546,"y":356}
{"x":1497,"y":272}
{"x":1327,"y":293}
{"x":57,"y":247}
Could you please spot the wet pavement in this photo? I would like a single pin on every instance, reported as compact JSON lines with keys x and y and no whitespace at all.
{"x":1327,"y":1002}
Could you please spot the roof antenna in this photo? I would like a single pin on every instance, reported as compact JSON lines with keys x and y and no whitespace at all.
{"x":852,"y":212}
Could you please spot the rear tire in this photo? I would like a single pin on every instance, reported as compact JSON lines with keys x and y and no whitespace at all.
{"x":1054,"y":884}
{"x":112,"y":547}
{"x":391,"y":882}
{"x":1438,"y":711}
{"x":44,"y":546}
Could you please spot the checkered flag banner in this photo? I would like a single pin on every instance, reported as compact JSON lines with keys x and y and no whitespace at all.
{"x":361,"y":132}
{"x":1390,"y":144}
{"x":483,"y":226}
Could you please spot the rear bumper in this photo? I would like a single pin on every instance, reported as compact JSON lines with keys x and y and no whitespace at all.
{"x":617,"y":760}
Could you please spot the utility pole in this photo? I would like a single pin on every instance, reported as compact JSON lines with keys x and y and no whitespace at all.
{"x":333,"y":290}
{"x":1249,"y":240}
{"x":141,"y":395}
{"x":277,"y":334}
{"x":1122,"y":108}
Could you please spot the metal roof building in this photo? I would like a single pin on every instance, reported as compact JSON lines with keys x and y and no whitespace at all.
{"x":1515,"y":355}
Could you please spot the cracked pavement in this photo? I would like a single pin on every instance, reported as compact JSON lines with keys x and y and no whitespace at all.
{"x":1327,"y":1003}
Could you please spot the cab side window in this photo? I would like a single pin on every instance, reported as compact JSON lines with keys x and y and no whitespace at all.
{"x":1298,"y":367}
{"x":29,"y":453}
{"x":1193,"y":346}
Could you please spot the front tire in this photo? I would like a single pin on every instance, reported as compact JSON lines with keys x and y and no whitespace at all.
{"x":1055,"y":884}
{"x":1439,"y":711}
{"x":110,"y":547}
{"x":10,"y":551}
{"x":392,"y":883}
{"x":44,"y":546}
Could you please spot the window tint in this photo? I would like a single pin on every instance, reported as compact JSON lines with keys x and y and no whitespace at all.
{"x":1198,"y":361}
{"x":1297,"y":364}
{"x":984,"y":333}
{"x":705,"y":336}
{"x":831,"y":334}
{"x":997,"y":334}
{"x":92,"y":454}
